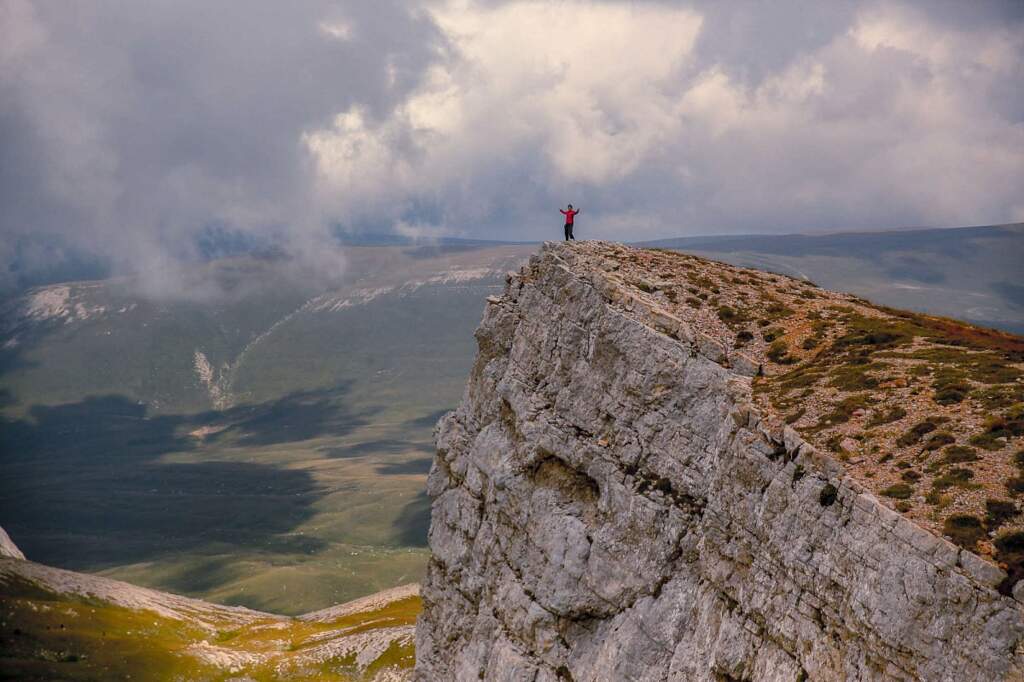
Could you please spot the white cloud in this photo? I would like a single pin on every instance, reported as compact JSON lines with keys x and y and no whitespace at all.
{"x":886,"y":123}
{"x":339,"y":30}
{"x":592,"y":88}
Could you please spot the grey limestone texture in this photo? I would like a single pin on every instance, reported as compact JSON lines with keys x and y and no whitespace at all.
{"x":609,"y":504}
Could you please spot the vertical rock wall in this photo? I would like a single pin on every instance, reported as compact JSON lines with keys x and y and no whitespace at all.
{"x":608,"y":505}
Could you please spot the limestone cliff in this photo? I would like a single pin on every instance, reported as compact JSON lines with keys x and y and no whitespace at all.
{"x":610,"y":503}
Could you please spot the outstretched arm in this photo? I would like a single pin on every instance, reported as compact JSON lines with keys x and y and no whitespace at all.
{"x":563,"y":212}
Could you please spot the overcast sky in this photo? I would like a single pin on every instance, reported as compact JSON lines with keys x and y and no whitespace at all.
{"x":129,"y":130}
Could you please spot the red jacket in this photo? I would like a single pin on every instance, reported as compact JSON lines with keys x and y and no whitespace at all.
{"x":569,"y":215}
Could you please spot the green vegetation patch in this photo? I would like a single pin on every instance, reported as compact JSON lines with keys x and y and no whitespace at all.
{"x":843,"y":411}
{"x":959,"y":454}
{"x":958,"y":477}
{"x":998,"y":512}
{"x":799,"y":378}
{"x":887,"y":416}
{"x":964,"y":530}
{"x":916,"y":432}
{"x":1010,"y":551}
{"x":898,"y":491}
{"x":937,"y":440}
{"x":779,"y":352}
{"x":857,"y":376}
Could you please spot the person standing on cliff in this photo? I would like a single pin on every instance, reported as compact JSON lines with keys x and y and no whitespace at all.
{"x":569,"y":215}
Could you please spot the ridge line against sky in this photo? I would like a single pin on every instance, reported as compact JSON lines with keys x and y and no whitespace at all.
{"x":132,"y":132}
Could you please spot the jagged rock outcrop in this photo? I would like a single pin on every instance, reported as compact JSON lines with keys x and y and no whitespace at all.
{"x":609,"y":504}
{"x":8,"y":548}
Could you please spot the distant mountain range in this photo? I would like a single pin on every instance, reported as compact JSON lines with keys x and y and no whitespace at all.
{"x":971,"y":273}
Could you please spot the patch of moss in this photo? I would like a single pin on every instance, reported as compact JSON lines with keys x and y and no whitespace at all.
{"x":996,"y":428}
{"x":998,"y":397}
{"x":959,"y":454}
{"x":916,"y":432}
{"x":964,"y":530}
{"x":1010,"y":551}
{"x":855,"y":377}
{"x":799,"y":378}
{"x":874,"y":333}
{"x":887,"y":416}
{"x":779,"y":352}
{"x":809,"y":343}
{"x":843,"y":411}
{"x":728,"y":314}
{"x":771,"y":334}
{"x":910,"y":476}
{"x":898,"y":491}
{"x":998,"y":512}
{"x":937,"y":440}
{"x":959,"y":477}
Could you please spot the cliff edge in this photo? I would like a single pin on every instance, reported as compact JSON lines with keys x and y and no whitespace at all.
{"x":618,"y":497}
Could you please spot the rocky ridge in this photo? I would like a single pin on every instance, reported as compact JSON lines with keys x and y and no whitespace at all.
{"x":618,"y":496}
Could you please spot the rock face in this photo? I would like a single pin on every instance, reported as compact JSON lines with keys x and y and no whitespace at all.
{"x":609,"y":504}
{"x":8,"y":548}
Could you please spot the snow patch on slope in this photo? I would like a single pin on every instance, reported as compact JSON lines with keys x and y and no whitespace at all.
{"x":58,"y":303}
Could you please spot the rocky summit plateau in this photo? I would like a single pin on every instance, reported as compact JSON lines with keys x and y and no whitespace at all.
{"x":667,"y":468}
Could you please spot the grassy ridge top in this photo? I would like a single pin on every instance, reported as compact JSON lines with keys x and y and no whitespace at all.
{"x":926,"y":412}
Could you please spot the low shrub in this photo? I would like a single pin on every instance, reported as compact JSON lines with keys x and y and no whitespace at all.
{"x":779,"y":352}
{"x":887,"y":416}
{"x":898,"y":491}
{"x":959,"y":454}
{"x":998,"y":512}
{"x":1010,"y":551}
{"x":960,"y":478}
{"x":964,"y":530}
{"x":937,"y":440}
{"x":916,"y":432}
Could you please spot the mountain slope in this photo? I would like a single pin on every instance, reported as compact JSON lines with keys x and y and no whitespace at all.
{"x":618,"y":495}
{"x":59,"y":624}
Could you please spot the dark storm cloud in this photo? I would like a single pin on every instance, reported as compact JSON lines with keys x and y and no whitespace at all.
{"x":128,"y":127}
{"x":145,"y":134}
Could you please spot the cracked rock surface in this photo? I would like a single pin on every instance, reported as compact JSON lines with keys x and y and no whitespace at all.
{"x":609,"y":504}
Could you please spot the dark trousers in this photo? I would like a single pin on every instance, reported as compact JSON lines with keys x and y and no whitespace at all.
{"x":568,"y":232}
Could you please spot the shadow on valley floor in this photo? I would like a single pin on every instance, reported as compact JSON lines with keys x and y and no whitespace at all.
{"x":428,"y":420}
{"x":388,"y":446}
{"x":83,"y":486}
{"x":413,"y":522}
{"x":420,"y":465}
{"x":295,"y":417}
